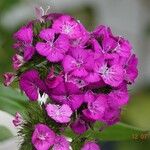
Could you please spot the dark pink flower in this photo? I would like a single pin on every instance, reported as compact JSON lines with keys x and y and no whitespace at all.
{"x":119,"y":96}
{"x":78,"y":63}
{"x":112,"y":75}
{"x":18,"y":61}
{"x":54,"y":46}
{"x":131,"y":69}
{"x":61,"y":143}
{"x":90,"y":146}
{"x":60,"y":114}
{"x":78,"y":81}
{"x":96,"y":108}
{"x":8,"y":78}
{"x":53,"y":80}
{"x":111,"y":115}
{"x":79,"y":126}
{"x":43,"y":137}
{"x":17,"y":121}
{"x":24,"y":39}
{"x":31,"y":84}
{"x":69,"y":26}
{"x":67,"y":93}
{"x":111,"y":44}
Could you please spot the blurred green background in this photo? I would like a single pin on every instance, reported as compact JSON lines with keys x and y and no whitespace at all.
{"x":129,"y":18}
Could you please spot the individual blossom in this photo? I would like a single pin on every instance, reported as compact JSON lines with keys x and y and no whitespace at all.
{"x":31,"y":84}
{"x":43,"y":137}
{"x":53,"y":80}
{"x":119,"y":96}
{"x":60,"y":114}
{"x":117,"y":45}
{"x":78,"y":81}
{"x":78,"y":63}
{"x":67,"y":93}
{"x":90,"y":146}
{"x":112,"y":75}
{"x":111,"y":115}
{"x":111,"y":44}
{"x":69,"y":26}
{"x":18,"y":120}
{"x":18,"y":61}
{"x":61,"y":143}
{"x":79,"y":126}
{"x":101,"y":32}
{"x":8,"y":78}
{"x":54,"y":46}
{"x":131,"y":69}
{"x":96,"y":108}
{"x":24,"y":39}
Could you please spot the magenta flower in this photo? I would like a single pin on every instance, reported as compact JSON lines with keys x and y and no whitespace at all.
{"x":52,"y":80}
{"x":102,"y":32}
{"x":90,"y":146}
{"x":17,"y":121}
{"x":131,"y":69}
{"x":96,"y":109}
{"x":18,"y":61}
{"x":78,"y":63}
{"x":111,"y":44}
{"x":79,"y":126}
{"x":24,"y":39}
{"x":8,"y":78}
{"x":78,"y":81}
{"x":119,"y":96}
{"x":43,"y":137}
{"x":69,"y":26}
{"x":67,"y":93}
{"x":54,"y":46}
{"x":31,"y":84}
{"x":61,"y":143}
{"x":111,"y":115}
{"x":60,"y":114}
{"x":112,"y":75}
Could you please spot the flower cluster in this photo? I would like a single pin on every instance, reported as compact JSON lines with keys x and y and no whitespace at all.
{"x":84,"y":74}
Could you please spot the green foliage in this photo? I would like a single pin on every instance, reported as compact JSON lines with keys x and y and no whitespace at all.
{"x":11,"y":100}
{"x":118,"y":132}
{"x":4,"y":133}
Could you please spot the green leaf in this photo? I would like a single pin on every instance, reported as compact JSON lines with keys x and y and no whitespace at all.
{"x":4,"y":133}
{"x":11,"y":100}
{"x":118,"y":132}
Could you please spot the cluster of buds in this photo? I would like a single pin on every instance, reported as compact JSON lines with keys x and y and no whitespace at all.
{"x":79,"y":77}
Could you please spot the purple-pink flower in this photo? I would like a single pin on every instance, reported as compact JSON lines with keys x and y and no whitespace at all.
{"x":69,"y":26}
{"x":24,"y":39}
{"x":43,"y":137}
{"x":119,"y":96}
{"x":131,"y":69}
{"x":18,"y":61}
{"x":54,"y":46}
{"x":8,"y":78}
{"x":90,"y":146}
{"x":31,"y":84}
{"x":79,"y":126}
{"x":61,"y":143}
{"x":96,"y":108}
{"x":60,"y":114}
{"x":111,"y":75}
{"x":18,"y":120}
{"x":67,"y":93}
{"x":78,"y":62}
